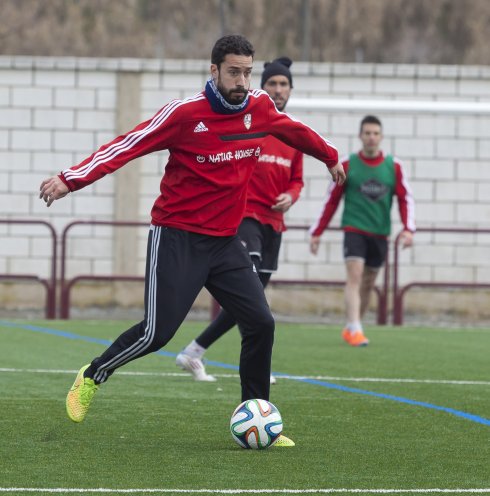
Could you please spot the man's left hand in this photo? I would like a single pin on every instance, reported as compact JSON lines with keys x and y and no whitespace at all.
{"x":338,"y":174}
{"x":283,"y":202}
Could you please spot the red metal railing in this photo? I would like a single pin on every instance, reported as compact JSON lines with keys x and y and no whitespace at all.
{"x":66,"y":285}
{"x":50,"y":283}
{"x":399,"y":292}
{"x":382,"y":291}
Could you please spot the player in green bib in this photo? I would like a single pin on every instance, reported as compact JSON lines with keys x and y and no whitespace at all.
{"x":373,"y":179}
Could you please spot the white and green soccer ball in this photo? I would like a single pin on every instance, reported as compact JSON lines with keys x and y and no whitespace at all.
{"x":256,"y":424}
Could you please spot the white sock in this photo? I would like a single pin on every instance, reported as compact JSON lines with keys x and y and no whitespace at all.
{"x":194,"y":350}
{"x":354,"y":326}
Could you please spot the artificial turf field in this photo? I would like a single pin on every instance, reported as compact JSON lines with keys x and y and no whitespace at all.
{"x":410,"y":414}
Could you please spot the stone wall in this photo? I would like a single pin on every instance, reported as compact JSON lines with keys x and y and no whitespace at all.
{"x":56,"y":111}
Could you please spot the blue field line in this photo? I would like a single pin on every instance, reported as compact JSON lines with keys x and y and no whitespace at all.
{"x":69,"y":335}
{"x":467,"y":416}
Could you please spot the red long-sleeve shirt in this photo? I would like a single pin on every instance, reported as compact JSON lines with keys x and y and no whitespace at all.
{"x":212,"y":157}
{"x":279,"y":170}
{"x":335,"y":193}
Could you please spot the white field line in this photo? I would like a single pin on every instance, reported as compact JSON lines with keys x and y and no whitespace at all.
{"x":66,"y":490}
{"x":243,"y":491}
{"x":280,"y":377}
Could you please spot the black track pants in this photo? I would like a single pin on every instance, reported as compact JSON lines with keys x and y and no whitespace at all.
{"x":179,"y":264}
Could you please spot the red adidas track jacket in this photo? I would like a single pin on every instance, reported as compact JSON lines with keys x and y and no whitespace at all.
{"x":212,"y":156}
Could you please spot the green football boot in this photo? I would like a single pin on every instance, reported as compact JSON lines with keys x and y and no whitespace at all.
{"x":80,"y":396}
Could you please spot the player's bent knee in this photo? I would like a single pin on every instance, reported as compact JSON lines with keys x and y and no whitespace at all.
{"x":264,"y":325}
{"x":270,"y":324}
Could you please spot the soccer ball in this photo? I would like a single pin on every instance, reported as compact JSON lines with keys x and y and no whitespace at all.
{"x":256,"y":424}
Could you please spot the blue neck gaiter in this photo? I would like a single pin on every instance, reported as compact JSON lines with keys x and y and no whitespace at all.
{"x":218,"y":103}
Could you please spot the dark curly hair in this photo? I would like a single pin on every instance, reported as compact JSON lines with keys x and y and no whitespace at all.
{"x":232,"y":43}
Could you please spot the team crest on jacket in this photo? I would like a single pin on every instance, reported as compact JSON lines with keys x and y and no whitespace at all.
{"x":247,"y":120}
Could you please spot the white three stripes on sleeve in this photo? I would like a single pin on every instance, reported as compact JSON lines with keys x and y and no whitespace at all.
{"x":129,"y":141}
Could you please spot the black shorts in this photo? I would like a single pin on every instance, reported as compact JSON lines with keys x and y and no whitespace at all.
{"x":261,"y":241}
{"x":371,"y":249}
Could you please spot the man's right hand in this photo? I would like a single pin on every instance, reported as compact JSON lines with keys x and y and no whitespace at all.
{"x":314,"y":244}
{"x":52,"y":189}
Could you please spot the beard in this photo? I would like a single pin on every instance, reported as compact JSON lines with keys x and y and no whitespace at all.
{"x":235,"y":96}
{"x":280,"y":104}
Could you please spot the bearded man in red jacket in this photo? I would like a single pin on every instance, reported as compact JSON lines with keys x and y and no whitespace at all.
{"x":214,"y":139}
